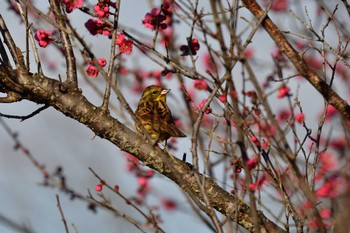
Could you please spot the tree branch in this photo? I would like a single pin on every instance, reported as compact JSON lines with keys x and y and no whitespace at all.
{"x":304,"y":70}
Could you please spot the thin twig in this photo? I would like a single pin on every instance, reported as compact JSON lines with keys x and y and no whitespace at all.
{"x":61,"y":213}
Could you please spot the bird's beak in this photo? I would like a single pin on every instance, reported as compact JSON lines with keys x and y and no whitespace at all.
{"x":165,"y":91}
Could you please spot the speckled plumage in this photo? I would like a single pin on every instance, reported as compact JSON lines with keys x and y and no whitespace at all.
{"x":155,"y":116}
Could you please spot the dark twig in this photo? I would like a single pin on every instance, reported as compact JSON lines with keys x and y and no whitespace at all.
{"x":61,"y":213}
{"x":22,"y":118}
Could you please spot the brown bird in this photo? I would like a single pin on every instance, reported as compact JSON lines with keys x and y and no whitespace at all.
{"x":155,"y":116}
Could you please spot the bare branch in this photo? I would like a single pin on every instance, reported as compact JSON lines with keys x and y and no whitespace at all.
{"x":67,"y":44}
{"x":61,"y":213}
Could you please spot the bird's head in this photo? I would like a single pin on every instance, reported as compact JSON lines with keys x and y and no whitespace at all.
{"x":155,"y":93}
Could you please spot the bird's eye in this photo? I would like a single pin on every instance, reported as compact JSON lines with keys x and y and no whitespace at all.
{"x":154,"y":92}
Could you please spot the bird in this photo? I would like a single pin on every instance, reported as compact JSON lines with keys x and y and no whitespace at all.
{"x":155,"y":116}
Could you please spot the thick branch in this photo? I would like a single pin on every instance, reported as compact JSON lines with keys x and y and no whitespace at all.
{"x":304,"y":70}
{"x":73,"y":104}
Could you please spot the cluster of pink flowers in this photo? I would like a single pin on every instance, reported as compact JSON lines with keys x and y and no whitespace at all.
{"x":190,"y":49}
{"x":97,"y":26}
{"x":102,"y":8}
{"x":125,"y":46}
{"x":72,"y":4}
{"x":158,"y":18}
{"x":44,"y":37}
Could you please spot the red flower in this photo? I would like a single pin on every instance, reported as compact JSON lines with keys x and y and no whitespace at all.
{"x":144,"y":186}
{"x":98,"y":187}
{"x":284,"y":115}
{"x":300,"y":118}
{"x":92,"y":71}
{"x":248,"y":53}
{"x":126,"y":46}
{"x":192,"y":48}
{"x":72,"y":5}
{"x":201,"y":105}
{"x":102,"y":62}
{"x":102,"y":8}
{"x":325,"y":213}
{"x":155,"y":19}
{"x":209,"y":63}
{"x":256,"y":141}
{"x":98,"y":27}
{"x":223,"y":98}
{"x":253,"y":162}
{"x":331,"y":112}
{"x":169,"y":204}
{"x":119,"y":39}
{"x":283,"y":91}
{"x":279,"y":5}
{"x":200,"y":84}
{"x":44,"y":37}
{"x":333,"y":187}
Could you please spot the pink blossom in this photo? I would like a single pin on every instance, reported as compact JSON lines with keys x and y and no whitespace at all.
{"x":155,"y":19}
{"x":144,"y":186}
{"x":328,"y":162}
{"x":201,"y":105}
{"x":300,"y":118}
{"x":256,"y":141}
{"x":252,"y":162}
{"x":331,"y":112}
{"x":283,"y":91}
{"x":201,"y":84}
{"x":313,"y":62}
{"x":99,"y":187}
{"x":325,"y":213}
{"x":72,"y":5}
{"x":102,"y":62}
{"x":284,"y":115}
{"x":102,"y":8}
{"x":96,"y":27}
{"x":190,"y":49}
{"x":169,"y":205}
{"x":44,"y":37}
{"x":120,"y":38}
{"x":209,"y":64}
{"x":332,"y":187}
{"x":279,"y":5}
{"x":126,"y":46}
{"x":248,"y":53}
{"x":92,"y":71}
{"x":223,"y":98}
{"x":278,"y":55}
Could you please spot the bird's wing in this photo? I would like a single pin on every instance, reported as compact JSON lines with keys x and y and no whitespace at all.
{"x":144,"y":110}
{"x":167,"y":123}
